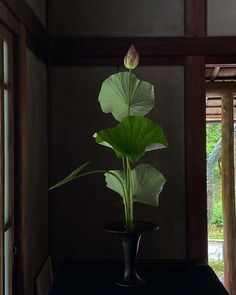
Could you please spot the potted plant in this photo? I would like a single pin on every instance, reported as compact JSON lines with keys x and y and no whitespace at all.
{"x":129,"y":100}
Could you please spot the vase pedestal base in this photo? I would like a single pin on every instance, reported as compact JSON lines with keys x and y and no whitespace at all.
{"x":131,"y":282}
{"x":130,"y":243}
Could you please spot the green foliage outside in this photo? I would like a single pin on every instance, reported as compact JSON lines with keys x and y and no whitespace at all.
{"x":213,"y":132}
{"x":218,"y":267}
{"x":214,"y":189}
{"x":218,"y":214}
{"x":216,"y":232}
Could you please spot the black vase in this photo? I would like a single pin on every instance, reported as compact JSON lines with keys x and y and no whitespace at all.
{"x":130,"y":242}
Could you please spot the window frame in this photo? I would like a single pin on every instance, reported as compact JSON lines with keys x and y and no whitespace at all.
{"x":6,"y":36}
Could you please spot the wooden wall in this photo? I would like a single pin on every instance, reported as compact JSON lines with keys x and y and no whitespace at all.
{"x":36,"y":201}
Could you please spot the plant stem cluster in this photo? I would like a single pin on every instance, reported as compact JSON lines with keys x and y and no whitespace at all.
{"x":128,"y":197}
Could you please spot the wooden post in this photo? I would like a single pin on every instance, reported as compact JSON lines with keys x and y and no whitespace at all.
{"x":195,"y":158}
{"x":228,"y":193}
{"x":1,"y":194}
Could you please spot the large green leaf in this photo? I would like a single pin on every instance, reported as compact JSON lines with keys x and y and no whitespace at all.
{"x":115,"y":92}
{"x":132,"y":137}
{"x":147,"y":183}
{"x":115,"y":180}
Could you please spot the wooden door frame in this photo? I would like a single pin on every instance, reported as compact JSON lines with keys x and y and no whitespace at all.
{"x":9,"y":87}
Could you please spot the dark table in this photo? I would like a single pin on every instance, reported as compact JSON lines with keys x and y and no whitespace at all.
{"x":77,"y":277}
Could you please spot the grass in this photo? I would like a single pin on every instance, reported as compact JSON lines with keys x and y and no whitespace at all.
{"x":216,"y":232}
{"x":218,"y":267}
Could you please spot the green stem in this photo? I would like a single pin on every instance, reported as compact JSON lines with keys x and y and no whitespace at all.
{"x":129,"y":189}
{"x":131,"y":192}
{"x":129,"y":94}
{"x":124,"y":168}
{"x":126,"y":211}
{"x":126,"y":198}
{"x":102,"y":171}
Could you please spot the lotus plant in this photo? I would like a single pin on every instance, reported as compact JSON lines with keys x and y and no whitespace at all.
{"x":129,"y":100}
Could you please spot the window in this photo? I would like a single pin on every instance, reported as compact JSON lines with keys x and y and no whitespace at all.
{"x":221,"y":103}
{"x":6,"y":162}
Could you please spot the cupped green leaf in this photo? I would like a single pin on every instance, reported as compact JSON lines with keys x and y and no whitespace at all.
{"x":132,"y":137}
{"x":123,"y":90}
{"x":115,"y":180}
{"x":147,"y":183}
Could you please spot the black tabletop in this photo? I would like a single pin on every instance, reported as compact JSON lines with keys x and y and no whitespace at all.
{"x":77,"y":277}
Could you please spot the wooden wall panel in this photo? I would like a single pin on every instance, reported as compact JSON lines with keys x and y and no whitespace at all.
{"x":195,"y":18}
{"x":23,"y":158}
{"x":195,"y":157}
{"x":195,"y":136}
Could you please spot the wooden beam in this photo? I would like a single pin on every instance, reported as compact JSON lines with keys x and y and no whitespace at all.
{"x":221,"y":85}
{"x":68,"y":60}
{"x":75,"y":50}
{"x":34,"y":45}
{"x":195,"y":158}
{"x":228,"y":193}
{"x":218,"y":89}
{"x":221,"y":60}
{"x":7,"y":18}
{"x":215,"y":73}
{"x":222,"y":66}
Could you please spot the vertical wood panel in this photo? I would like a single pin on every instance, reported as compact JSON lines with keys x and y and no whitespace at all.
{"x":228,"y":193}
{"x":195,"y":18}
{"x":1,"y":60}
{"x":1,"y":196}
{"x":23,"y":164}
{"x":11,"y":159}
{"x":195,"y":158}
{"x":7,"y":224}
{"x":195,"y":135}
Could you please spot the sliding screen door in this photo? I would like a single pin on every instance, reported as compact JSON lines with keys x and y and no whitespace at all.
{"x":6,"y":162}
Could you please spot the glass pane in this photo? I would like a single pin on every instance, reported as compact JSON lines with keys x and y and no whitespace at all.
{"x":7,"y":262}
{"x":5,"y":62}
{"x":6,"y":157}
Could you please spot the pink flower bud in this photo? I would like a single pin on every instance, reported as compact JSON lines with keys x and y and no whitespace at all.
{"x":131,"y":59}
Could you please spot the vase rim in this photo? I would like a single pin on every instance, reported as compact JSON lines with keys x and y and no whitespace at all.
{"x":138,"y":227}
